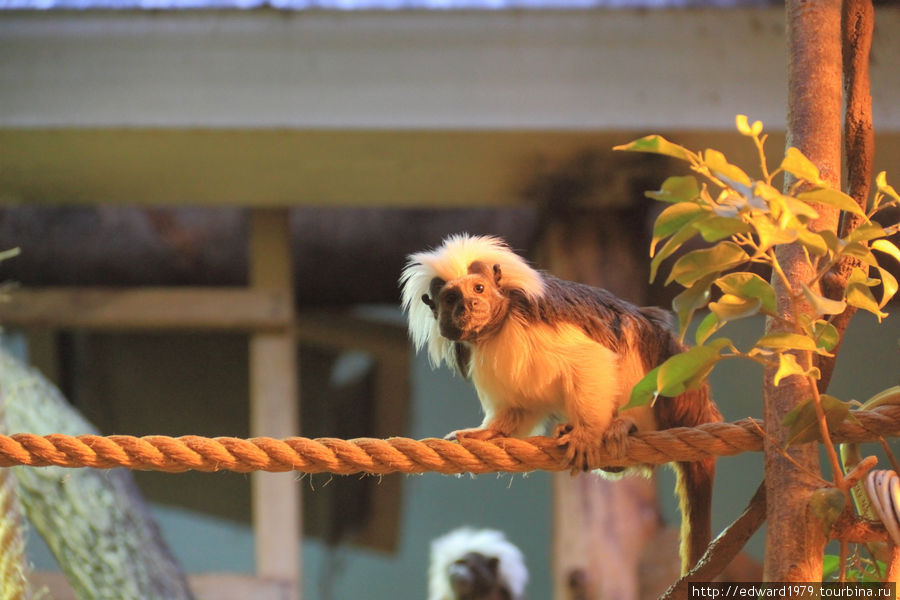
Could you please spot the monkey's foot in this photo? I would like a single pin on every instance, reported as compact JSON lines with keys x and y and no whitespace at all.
{"x":584,"y":448}
{"x":475,"y":433}
{"x":615,"y":438}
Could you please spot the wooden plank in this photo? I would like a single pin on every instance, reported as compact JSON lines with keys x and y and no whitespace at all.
{"x":162,"y":167}
{"x":436,"y":169}
{"x":206,"y":586}
{"x":148,"y":308}
{"x":274,"y":407}
{"x":382,"y":531}
{"x":405,"y":69}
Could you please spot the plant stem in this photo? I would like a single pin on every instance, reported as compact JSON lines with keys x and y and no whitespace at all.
{"x":823,"y":429}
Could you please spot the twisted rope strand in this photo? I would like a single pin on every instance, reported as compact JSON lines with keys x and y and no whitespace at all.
{"x":404,"y":455}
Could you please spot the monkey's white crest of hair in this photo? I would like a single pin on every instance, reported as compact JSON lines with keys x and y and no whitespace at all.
{"x":450,"y":261}
{"x":452,"y":546}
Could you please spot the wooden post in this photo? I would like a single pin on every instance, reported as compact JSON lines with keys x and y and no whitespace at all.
{"x":795,"y":541}
{"x":274,"y":406}
{"x":600,"y":527}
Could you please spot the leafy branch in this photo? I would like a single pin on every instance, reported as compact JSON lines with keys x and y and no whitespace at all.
{"x":743,"y":220}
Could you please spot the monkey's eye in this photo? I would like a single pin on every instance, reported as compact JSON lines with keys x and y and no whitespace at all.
{"x":479,"y":288}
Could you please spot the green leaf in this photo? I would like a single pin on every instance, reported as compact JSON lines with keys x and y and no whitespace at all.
{"x":732,"y":308}
{"x":10,"y":253}
{"x":859,"y":277}
{"x":708,"y":326}
{"x":719,"y":165}
{"x":830,"y":565}
{"x":788,"y":365}
{"x":787,"y":341}
{"x":821,"y":304}
{"x":672,"y":219}
{"x":688,"y":369}
{"x":749,"y":285}
{"x":803,"y":423}
{"x":796,"y":163}
{"x":781,"y":205}
{"x":644,"y":392}
{"x":763,"y":197}
{"x":861,"y":297}
{"x":814,"y":242}
{"x":827,"y":504}
{"x":699,"y":263}
{"x":770,"y":234}
{"x":729,"y":204}
{"x":804,"y":212}
{"x":884,"y":188}
{"x":866,"y":232}
{"x":669,"y":248}
{"x":715,"y":228}
{"x":887,"y":247}
{"x":832,"y":241}
{"x":858,"y":294}
{"x":888,"y":285}
{"x":826,"y":335}
{"x":656,"y":144}
{"x":861,"y":251}
{"x":677,"y":188}
{"x":692,"y":298}
{"x":831,"y":197}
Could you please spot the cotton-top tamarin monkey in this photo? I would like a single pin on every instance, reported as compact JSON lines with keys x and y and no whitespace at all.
{"x":539,"y":348}
{"x":475,"y":564}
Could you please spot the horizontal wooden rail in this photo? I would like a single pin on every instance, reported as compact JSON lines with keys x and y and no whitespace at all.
{"x":148,"y":308}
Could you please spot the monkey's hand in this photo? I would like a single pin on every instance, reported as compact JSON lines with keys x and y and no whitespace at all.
{"x":584,"y":447}
{"x":474,"y":433}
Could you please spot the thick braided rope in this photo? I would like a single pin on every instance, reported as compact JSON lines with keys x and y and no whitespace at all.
{"x":376,"y":456}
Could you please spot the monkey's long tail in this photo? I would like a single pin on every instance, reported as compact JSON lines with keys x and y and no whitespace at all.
{"x":694,"y":482}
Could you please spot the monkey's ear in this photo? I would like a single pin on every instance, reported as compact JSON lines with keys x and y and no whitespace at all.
{"x":497,"y":274}
{"x":429,"y":302}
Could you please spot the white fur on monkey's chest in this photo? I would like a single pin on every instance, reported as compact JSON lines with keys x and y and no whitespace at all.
{"x":538,"y":366}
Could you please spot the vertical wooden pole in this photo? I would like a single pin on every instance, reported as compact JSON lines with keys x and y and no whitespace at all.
{"x":600,"y":527}
{"x":795,"y":542}
{"x":274,"y":406}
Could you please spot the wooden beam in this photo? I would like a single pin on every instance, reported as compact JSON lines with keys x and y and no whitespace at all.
{"x":253,"y":168}
{"x":407,"y":69}
{"x":274,"y":399}
{"x":276,"y":167}
{"x":148,"y":309}
{"x":206,"y":586}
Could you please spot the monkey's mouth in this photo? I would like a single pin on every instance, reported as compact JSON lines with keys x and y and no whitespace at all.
{"x":454,"y":332}
{"x":460,"y":330}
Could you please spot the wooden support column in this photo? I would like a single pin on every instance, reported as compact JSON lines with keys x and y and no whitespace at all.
{"x":601,"y":527}
{"x":274,"y":406}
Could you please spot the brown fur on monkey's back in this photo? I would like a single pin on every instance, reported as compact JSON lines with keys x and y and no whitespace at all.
{"x":618,"y":324}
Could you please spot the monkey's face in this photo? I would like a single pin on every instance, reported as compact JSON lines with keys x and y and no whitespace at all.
{"x":471,"y":306}
{"x":476,"y":577}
